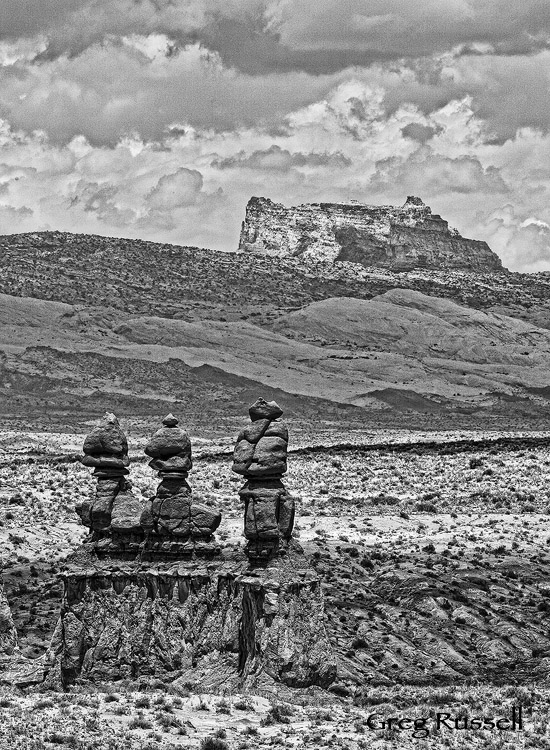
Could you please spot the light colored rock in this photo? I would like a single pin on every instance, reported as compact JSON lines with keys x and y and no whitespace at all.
{"x":405,"y":236}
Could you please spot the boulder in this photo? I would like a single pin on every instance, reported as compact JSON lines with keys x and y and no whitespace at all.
{"x":169,"y":441}
{"x":126,"y":513}
{"x":106,"y":438}
{"x":262,"y":409}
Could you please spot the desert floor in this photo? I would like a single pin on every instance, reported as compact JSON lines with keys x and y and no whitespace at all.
{"x":434,"y":550}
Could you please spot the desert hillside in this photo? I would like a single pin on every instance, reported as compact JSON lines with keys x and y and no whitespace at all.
{"x":400,"y":351}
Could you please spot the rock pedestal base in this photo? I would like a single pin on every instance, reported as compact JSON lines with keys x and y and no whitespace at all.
{"x":143,"y":548}
{"x":222,"y":620}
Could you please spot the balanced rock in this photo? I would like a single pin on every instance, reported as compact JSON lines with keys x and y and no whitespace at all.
{"x":172,"y":513}
{"x":260,"y":456}
{"x":114,"y":510}
{"x":106,"y":441}
{"x":170,"y":447}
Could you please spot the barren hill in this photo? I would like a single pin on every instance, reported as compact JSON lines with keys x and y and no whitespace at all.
{"x":91,"y":322}
{"x":401,"y":350}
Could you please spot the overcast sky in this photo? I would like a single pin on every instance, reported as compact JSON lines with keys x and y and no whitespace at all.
{"x":160,"y":118}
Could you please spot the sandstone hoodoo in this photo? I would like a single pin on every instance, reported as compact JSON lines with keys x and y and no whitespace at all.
{"x":396,"y":237}
{"x":172,"y":522}
{"x":121,"y":523}
{"x":260,"y":456}
{"x":114,"y":514}
{"x":176,"y":610}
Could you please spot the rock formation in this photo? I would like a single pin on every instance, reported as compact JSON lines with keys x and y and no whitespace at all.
{"x":122,"y":524}
{"x":8,"y":634}
{"x":400,"y":238}
{"x":114,"y":514}
{"x":172,"y":522}
{"x":260,"y":456}
{"x":217,"y":625}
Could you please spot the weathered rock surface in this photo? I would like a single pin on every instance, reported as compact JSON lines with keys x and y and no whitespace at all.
{"x":172,"y":514}
{"x":8,"y":635}
{"x":115,"y":508}
{"x":260,"y":456}
{"x":399,"y":237}
{"x":218,"y":619}
{"x":16,"y":671}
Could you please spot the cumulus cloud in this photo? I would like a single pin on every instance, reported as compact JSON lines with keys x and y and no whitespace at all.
{"x":430,"y":173}
{"x":160,"y":118}
{"x":279,"y":159}
{"x":182,"y":188}
{"x":315,"y":36}
{"x":66,"y":98}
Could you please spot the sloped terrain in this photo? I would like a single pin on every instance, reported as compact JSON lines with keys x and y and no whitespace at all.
{"x":399,"y":352}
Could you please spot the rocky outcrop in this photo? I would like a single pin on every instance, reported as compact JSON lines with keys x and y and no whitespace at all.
{"x":126,"y":615}
{"x":260,"y":456}
{"x":220,"y":620}
{"x":8,"y":634}
{"x":399,"y":238}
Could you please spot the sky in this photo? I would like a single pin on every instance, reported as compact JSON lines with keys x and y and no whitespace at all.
{"x":159,"y":119}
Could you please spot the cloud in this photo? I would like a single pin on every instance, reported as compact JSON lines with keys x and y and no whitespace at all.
{"x":524,"y":244}
{"x":313,"y":36}
{"x":149,"y":97}
{"x":429,"y":174}
{"x":182,"y":188}
{"x":418,"y":132}
{"x":278,"y":159}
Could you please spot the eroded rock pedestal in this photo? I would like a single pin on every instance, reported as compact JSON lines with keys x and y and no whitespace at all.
{"x":173,"y":523}
{"x":124,"y":525}
{"x":260,"y":457}
{"x":217,"y":624}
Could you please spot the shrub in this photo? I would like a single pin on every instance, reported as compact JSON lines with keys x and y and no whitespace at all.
{"x":213,"y":743}
{"x":426,"y":507}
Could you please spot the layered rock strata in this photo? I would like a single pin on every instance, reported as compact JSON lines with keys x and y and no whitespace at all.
{"x":173,"y":523}
{"x":214,"y":623}
{"x":396,"y":237}
{"x":260,"y":456}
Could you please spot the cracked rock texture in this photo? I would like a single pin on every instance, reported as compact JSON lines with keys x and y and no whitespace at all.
{"x":8,"y":635}
{"x":398,"y":237}
{"x":224,"y":621}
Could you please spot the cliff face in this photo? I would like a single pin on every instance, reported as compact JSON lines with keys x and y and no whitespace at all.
{"x":220,"y":622}
{"x":403,"y":237}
